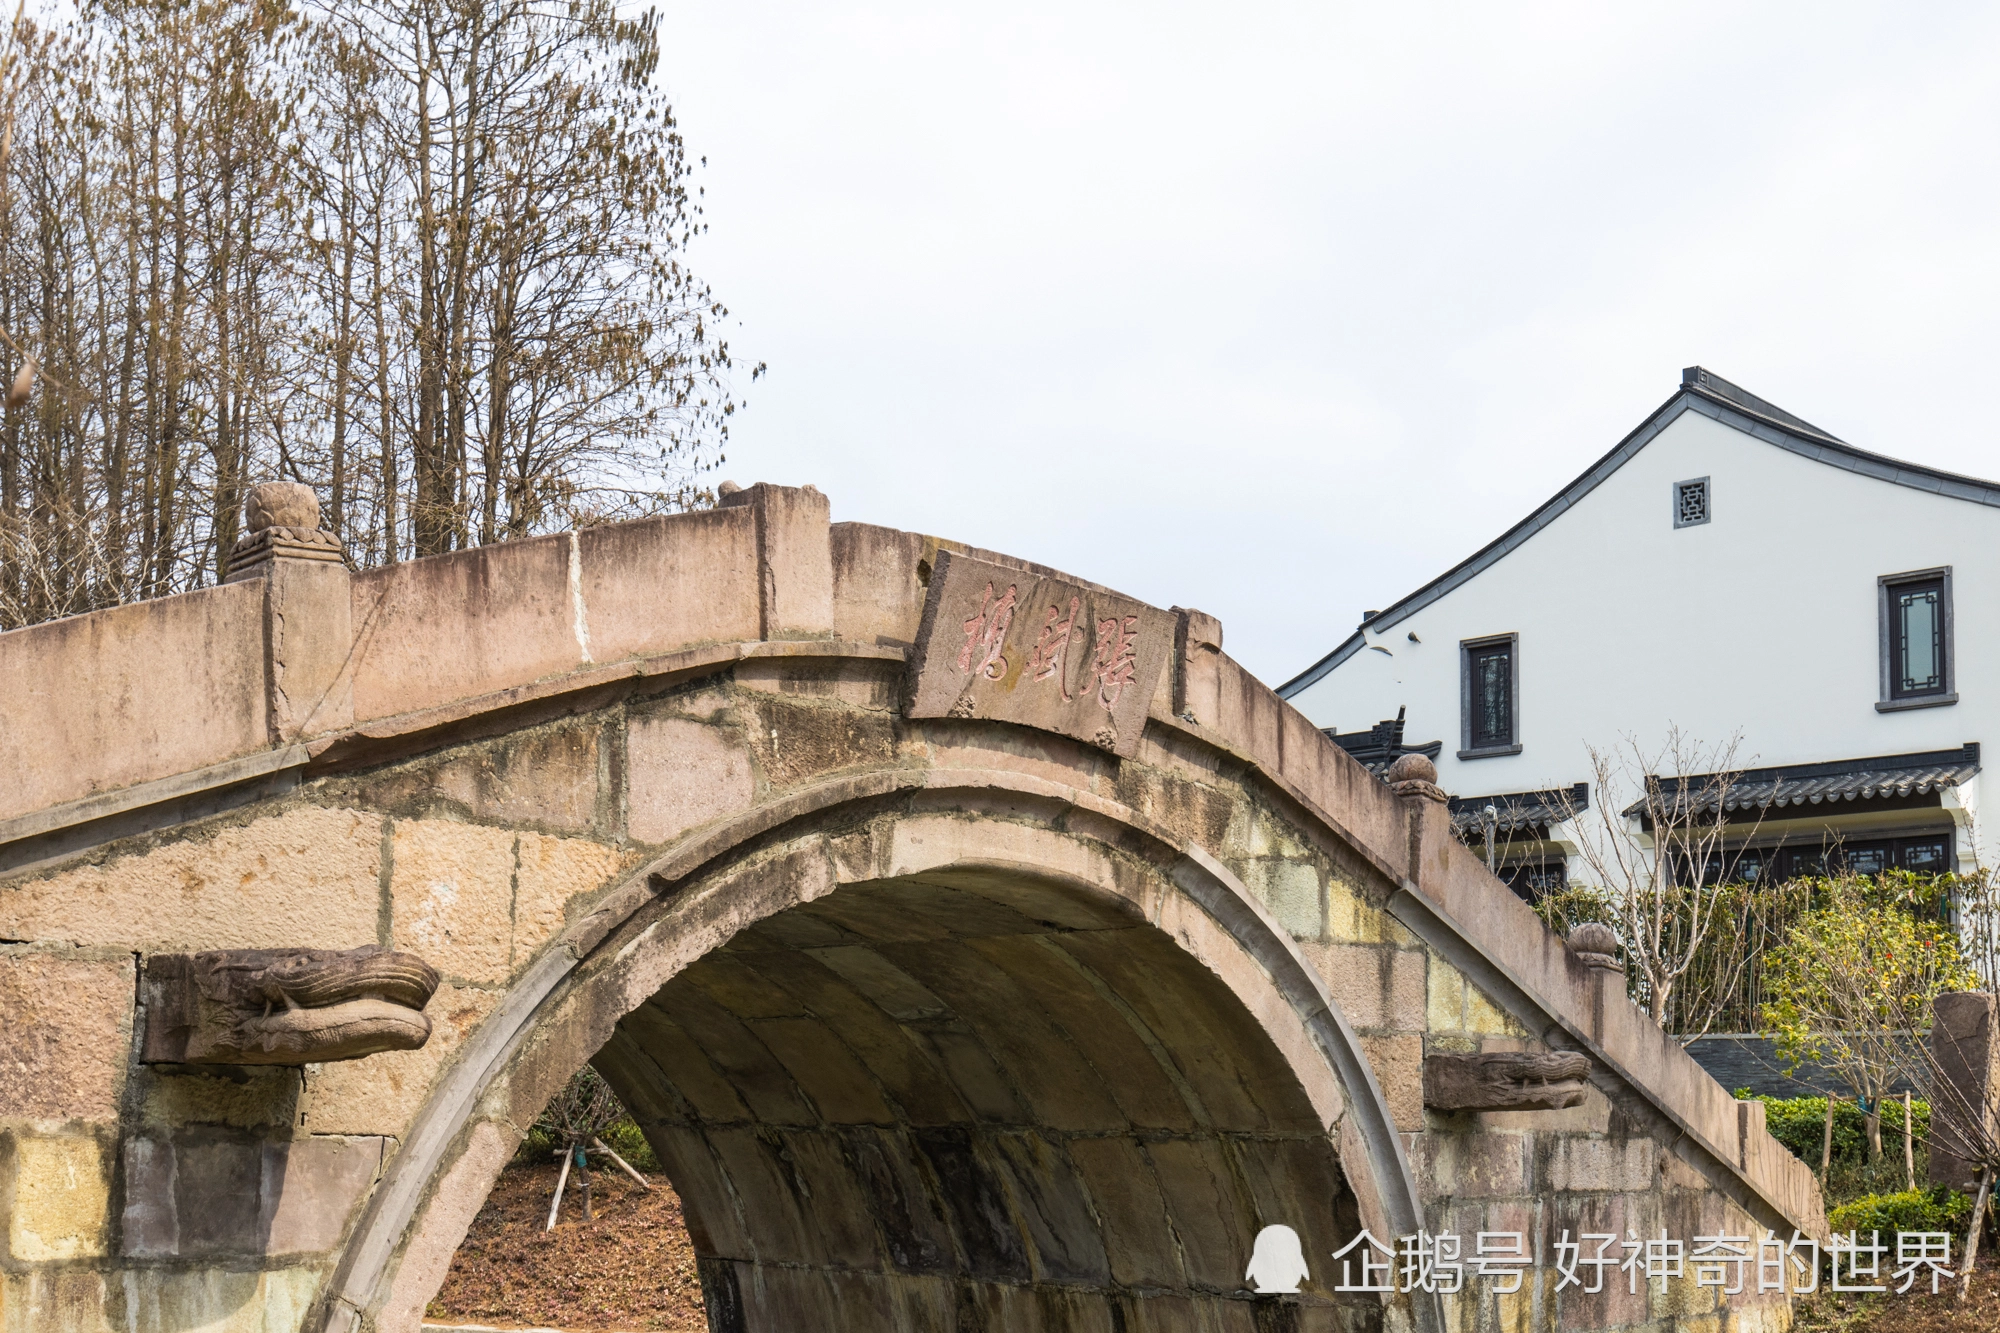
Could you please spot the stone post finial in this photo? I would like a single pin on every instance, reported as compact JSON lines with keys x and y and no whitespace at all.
{"x":1596,"y":946}
{"x":280,"y":504}
{"x":281,"y":522}
{"x":1412,"y":775}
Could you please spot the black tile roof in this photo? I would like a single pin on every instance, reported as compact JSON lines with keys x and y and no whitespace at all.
{"x":1877,"y":777}
{"x":1519,"y":810}
{"x":1381,"y":745}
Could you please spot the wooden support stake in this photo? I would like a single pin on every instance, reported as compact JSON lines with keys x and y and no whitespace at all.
{"x":623,"y":1165}
{"x":1826,"y":1142}
{"x":1909,"y":1145}
{"x":555,"y":1201}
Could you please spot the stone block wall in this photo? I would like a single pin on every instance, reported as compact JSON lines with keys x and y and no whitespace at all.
{"x":545,"y":731}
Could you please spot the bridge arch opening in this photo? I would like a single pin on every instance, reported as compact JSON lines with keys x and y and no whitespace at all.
{"x":944,"y":1071}
{"x":972,"y":1100}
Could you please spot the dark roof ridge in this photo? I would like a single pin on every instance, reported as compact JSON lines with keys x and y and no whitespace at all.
{"x":1702,"y":391}
{"x":1706,"y":382}
{"x":1577,"y":793}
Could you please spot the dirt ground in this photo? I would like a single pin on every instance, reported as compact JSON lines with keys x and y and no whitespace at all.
{"x":632,"y":1267}
{"x":1914,"y":1313}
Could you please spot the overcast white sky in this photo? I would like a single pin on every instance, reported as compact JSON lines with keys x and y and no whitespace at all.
{"x":1278,"y":311}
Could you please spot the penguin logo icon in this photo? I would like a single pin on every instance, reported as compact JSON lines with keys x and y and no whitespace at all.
{"x":1277,"y":1261}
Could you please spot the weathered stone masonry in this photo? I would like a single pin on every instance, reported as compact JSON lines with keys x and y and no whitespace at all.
{"x":938,"y":1022}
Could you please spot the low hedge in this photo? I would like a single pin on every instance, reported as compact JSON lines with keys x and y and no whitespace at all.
{"x":1800,"y":1122}
{"x":1934,"y":1209}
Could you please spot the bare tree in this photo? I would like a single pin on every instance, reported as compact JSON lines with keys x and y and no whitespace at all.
{"x":1659,"y":843}
{"x":576,"y":1119}
{"x":427,"y":255}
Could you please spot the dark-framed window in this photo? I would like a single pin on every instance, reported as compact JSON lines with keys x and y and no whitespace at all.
{"x":1923,"y":854}
{"x":1916,"y":634}
{"x":1489,"y":696}
{"x":1929,"y":853}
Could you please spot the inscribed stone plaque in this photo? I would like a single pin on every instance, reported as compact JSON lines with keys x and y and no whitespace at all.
{"x":1015,"y":646}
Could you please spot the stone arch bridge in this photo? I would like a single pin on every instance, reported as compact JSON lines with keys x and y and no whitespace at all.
{"x":980,"y":950}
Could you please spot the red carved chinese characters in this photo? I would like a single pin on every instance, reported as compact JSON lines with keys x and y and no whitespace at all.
{"x":1051,"y":655}
{"x":1116,"y":658}
{"x":1107,"y":672}
{"x":985,"y":633}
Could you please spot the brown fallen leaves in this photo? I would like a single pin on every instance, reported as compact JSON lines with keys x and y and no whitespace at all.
{"x":1918,"y":1312}
{"x":631,"y":1268}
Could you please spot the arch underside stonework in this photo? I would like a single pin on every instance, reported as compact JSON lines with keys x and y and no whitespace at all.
{"x":921,"y":1103}
{"x":949,"y":1065}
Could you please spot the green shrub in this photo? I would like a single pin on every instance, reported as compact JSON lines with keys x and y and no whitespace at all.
{"x":626,"y":1140}
{"x":1934,"y":1209}
{"x":1800,"y":1122}
{"x":537,"y":1145}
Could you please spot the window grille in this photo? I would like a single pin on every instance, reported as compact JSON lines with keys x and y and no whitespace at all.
{"x":1690,"y":502}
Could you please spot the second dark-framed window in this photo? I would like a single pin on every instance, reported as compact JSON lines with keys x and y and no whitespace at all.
{"x":1489,"y":696}
{"x":1916,"y":635}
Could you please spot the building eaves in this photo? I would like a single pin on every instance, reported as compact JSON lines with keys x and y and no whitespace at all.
{"x":1519,"y":810}
{"x":1877,"y":777}
{"x":1381,"y":745}
{"x":1714,"y":397}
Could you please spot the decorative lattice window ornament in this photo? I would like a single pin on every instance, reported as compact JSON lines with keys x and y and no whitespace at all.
{"x":1691,"y":502}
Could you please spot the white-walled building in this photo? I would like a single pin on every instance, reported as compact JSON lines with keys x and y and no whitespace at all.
{"x":1727,"y":568}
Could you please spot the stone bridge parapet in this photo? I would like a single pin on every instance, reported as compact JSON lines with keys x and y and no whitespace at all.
{"x":878,"y":873}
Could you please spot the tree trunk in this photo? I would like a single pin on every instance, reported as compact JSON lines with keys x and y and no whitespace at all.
{"x":1826,"y":1142}
{"x":1872,"y":1119}
{"x":1972,"y":1230}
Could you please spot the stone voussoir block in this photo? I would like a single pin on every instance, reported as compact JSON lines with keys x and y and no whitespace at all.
{"x":682,"y":774}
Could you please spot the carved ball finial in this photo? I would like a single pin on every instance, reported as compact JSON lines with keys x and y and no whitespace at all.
{"x":280,"y":504}
{"x":1412,"y":768}
{"x":1413,"y":775}
{"x":280,"y":521}
{"x":1595,"y":945}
